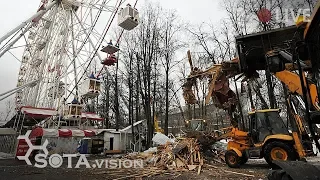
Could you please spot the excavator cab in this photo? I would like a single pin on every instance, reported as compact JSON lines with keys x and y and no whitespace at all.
{"x":265,"y":123}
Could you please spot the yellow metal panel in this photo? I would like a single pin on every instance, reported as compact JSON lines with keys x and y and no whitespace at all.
{"x":298,"y":145}
{"x":276,"y":136}
{"x":239,"y":153}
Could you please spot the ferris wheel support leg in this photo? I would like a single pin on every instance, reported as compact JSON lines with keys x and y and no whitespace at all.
{"x":18,"y":88}
{"x":14,"y":41}
{"x":7,"y":96}
{"x":38,"y":14}
{"x":17,"y":119}
{"x":85,"y":31}
{"x":24,"y":116}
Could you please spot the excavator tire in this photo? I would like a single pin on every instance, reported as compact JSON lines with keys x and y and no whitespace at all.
{"x":278,"y":150}
{"x":232,"y":159}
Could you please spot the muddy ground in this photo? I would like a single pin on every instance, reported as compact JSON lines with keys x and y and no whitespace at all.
{"x":18,"y":170}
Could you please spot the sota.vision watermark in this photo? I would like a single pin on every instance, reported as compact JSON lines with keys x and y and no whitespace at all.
{"x":43,"y":160}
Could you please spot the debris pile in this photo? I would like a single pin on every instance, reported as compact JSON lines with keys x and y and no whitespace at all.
{"x":211,"y":145}
{"x":184,"y":154}
{"x":218,"y":150}
{"x":179,"y":156}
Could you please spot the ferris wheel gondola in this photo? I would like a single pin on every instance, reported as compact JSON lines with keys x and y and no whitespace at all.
{"x":128,"y":17}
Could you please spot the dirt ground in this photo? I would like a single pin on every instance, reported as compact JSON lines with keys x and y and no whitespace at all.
{"x":252,"y":170}
{"x":18,"y":170}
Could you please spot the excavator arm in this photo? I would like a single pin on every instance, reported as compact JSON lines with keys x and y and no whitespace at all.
{"x":293,"y":83}
{"x":219,"y":90}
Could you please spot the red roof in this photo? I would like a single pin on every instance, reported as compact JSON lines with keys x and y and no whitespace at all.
{"x":47,"y":112}
{"x":36,"y":132}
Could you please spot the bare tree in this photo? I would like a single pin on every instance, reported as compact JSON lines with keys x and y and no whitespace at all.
{"x":8,"y":111}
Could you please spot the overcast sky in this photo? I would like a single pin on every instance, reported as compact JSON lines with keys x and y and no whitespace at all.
{"x":12,"y":13}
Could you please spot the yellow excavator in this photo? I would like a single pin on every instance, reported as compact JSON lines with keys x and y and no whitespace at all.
{"x":292,"y":54}
{"x":266,"y":135}
{"x":288,"y":53}
{"x":157,"y":128}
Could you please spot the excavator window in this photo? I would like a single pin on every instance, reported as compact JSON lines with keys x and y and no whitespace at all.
{"x":264,"y":124}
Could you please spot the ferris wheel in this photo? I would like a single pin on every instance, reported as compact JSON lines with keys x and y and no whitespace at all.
{"x":62,"y":49}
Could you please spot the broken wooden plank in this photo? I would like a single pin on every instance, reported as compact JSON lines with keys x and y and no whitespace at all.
{"x":126,"y":177}
{"x":179,"y":163}
{"x":182,"y":159}
{"x":209,"y":165}
{"x":248,"y":175}
{"x":191,"y":159}
{"x":192,"y":167}
{"x":199,"y":169}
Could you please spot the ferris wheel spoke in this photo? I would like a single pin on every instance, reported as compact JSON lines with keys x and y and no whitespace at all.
{"x":81,"y":65}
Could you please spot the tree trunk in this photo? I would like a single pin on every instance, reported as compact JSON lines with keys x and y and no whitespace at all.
{"x":241,"y":121}
{"x":272,"y":99}
{"x":154,"y":92}
{"x":137,"y":95}
{"x":263,"y":101}
{"x":166,"y":122}
{"x":131,"y":99}
{"x":250,"y":97}
{"x":116,"y":99}
{"x":107,"y":103}
{"x":285,"y":92}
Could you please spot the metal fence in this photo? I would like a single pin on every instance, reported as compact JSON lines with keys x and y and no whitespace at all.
{"x":8,"y":142}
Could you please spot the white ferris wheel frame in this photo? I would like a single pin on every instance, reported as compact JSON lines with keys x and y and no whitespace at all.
{"x":74,"y":55}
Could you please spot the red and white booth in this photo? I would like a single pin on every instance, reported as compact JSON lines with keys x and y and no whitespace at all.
{"x":61,"y":141}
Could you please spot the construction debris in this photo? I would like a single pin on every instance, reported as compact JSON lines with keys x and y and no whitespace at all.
{"x":182,"y":155}
{"x":151,"y":150}
{"x":186,"y":154}
{"x":223,"y":97}
{"x":219,"y":148}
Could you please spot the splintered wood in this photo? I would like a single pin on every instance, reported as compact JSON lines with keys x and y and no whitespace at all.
{"x":185,"y":155}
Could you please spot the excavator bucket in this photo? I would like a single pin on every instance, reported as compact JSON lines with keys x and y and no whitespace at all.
{"x":188,"y":94}
{"x":253,"y":48}
{"x":219,"y":90}
{"x":223,"y":96}
{"x":295,"y":170}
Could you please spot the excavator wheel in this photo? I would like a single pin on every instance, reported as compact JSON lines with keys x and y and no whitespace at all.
{"x":232,"y":159}
{"x":278,"y":150}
